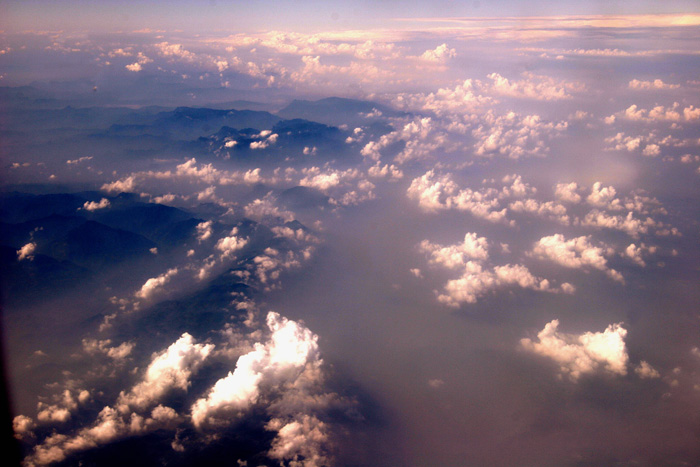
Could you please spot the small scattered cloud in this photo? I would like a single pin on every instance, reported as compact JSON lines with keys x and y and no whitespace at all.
{"x":154,"y":285}
{"x":26,"y":252}
{"x":94,"y":205}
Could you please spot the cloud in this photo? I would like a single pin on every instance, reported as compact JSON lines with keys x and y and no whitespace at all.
{"x":268,"y":266}
{"x":659,"y":113}
{"x":127,"y":184}
{"x":635,"y":254}
{"x":23,"y":426}
{"x":440,"y":54}
{"x":516,"y":189}
{"x":26,"y":252}
{"x":60,"y":412}
{"x":170,"y":369}
{"x":651,"y":85}
{"x":204,"y":231}
{"x":228,"y":245}
{"x":78,"y":160}
{"x":604,"y":197}
{"x":439,"y":192}
{"x":138,"y":65}
{"x":464,"y":98}
{"x":289,"y":351}
{"x":379,"y":171}
{"x":576,"y":253}
{"x":266,"y":208}
{"x":513,"y":135}
{"x":153,"y":285}
{"x":299,"y":443}
{"x":109,"y":426}
{"x":267,"y":138}
{"x":476,"y":278}
{"x":324,"y":181}
{"x":585,"y":353}
{"x":548,"y":209}
{"x":189,"y":170}
{"x":299,"y":235}
{"x":534,"y":87}
{"x":345,"y":187}
{"x":628,"y":224}
{"x":174,"y":51}
{"x":313,"y":73}
{"x":420,"y":135}
{"x":455,"y":256}
{"x":118,"y":353}
{"x":646,"y":371}
{"x":567,"y":192}
{"x":94,"y":206}
{"x":477,"y":281}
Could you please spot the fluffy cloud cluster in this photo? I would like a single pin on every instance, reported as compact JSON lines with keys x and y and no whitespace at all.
{"x":230,"y":244}
{"x":462,"y":99}
{"x":647,"y":145}
{"x":462,"y":111}
{"x":155,"y":284}
{"x":534,"y":87}
{"x":548,"y":209}
{"x":422,"y":137}
{"x":439,"y":192}
{"x":659,"y":113}
{"x":265,"y":269}
{"x":104,"y":347}
{"x":265,"y":139}
{"x":473,"y":95}
{"x":298,"y":234}
{"x":138,"y":64}
{"x":629,"y":224}
{"x":299,"y":443}
{"x":608,"y":208}
{"x":345,"y":187}
{"x":476,"y":281}
{"x":190,"y":171}
{"x":567,"y":192}
{"x":455,"y":256}
{"x":65,"y":404}
{"x":476,"y":277}
{"x":281,"y":359}
{"x":651,"y":85}
{"x":636,"y":253}
{"x":440,"y":54}
{"x":514,"y":136}
{"x":224,"y":252}
{"x":284,"y":372}
{"x":169,"y":370}
{"x":265,"y":209}
{"x":204,"y":231}
{"x":584,"y":353}
{"x":132,"y":413}
{"x":576,"y":253}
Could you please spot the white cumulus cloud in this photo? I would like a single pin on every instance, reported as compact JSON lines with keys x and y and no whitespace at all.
{"x":577,"y":354}
{"x":290,"y":348}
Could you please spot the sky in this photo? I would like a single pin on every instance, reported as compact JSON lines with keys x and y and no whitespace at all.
{"x":306,"y":16}
{"x":316,"y":234}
